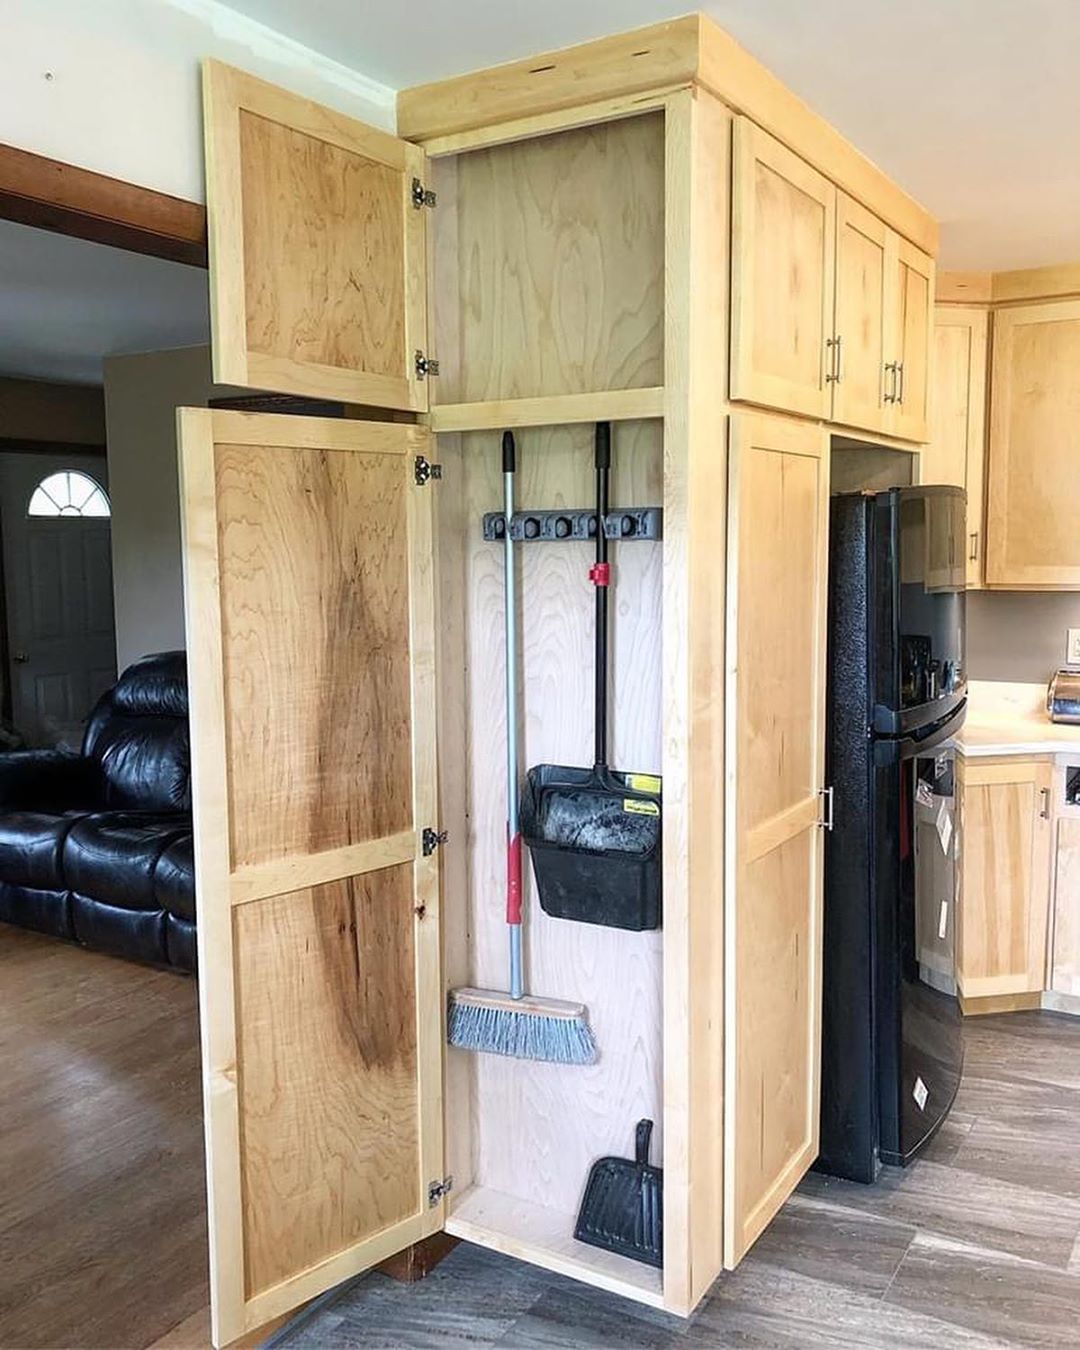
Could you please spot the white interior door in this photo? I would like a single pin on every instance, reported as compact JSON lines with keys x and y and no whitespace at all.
{"x":58,"y":592}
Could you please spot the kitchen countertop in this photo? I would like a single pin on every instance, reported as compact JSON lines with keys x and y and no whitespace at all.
{"x":1010,"y":719}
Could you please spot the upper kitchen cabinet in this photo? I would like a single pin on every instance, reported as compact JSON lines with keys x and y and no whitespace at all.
{"x":317,"y":248}
{"x":956,"y":452}
{"x":782,"y":260}
{"x":1033,"y":500}
{"x":863,"y":248}
{"x":907,"y":367}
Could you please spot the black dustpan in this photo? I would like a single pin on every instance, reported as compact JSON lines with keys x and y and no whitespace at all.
{"x":623,"y":1206}
{"x":594,"y":834}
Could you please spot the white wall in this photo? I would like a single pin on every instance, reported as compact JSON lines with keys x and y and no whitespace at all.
{"x":142,"y":394}
{"x":113,"y":85}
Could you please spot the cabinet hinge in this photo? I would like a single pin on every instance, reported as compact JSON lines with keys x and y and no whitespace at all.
{"x":431,"y":839}
{"x":424,"y":471}
{"x":425,"y":365}
{"x":438,"y":1189}
{"x":422,"y":196}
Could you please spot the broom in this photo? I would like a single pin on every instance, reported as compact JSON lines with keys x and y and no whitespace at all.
{"x":514,"y":1023}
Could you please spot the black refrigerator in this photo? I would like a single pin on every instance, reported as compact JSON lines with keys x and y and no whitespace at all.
{"x":892,"y":1051}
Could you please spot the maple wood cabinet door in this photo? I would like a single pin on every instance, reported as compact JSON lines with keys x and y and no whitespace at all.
{"x":862,"y":276}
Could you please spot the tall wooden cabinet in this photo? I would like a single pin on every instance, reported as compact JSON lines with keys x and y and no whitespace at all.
{"x":832,"y":309}
{"x":564,"y":257}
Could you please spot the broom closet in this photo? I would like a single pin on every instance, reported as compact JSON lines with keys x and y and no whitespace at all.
{"x":580,"y":257}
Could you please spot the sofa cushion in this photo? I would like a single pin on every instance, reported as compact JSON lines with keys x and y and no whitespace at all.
{"x":174,"y":878}
{"x":137,"y":934}
{"x":44,"y":911}
{"x":31,"y":848}
{"x":112,"y":855}
{"x":179,"y":942}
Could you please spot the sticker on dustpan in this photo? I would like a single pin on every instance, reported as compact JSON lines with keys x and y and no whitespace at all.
{"x":944,"y":827}
{"x":643,"y":782}
{"x":923,"y":794}
{"x":920,"y":1092}
{"x":637,"y":808}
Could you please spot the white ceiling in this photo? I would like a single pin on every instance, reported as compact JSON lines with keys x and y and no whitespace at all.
{"x":66,"y":303}
{"x":972,"y":105}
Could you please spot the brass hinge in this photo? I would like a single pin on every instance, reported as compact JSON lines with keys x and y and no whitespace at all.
{"x":438,"y":1189}
{"x":425,"y":365}
{"x":424,"y":471}
{"x":431,"y":839}
{"x":422,"y":196}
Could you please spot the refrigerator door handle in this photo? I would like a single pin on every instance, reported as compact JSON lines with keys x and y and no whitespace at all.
{"x":826,"y":794}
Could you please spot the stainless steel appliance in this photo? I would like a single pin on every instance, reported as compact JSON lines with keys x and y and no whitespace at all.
{"x":1063,"y":697}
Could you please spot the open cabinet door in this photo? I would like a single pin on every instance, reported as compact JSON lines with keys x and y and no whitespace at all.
{"x":777,"y":595}
{"x":317,"y":247}
{"x":310,"y":628}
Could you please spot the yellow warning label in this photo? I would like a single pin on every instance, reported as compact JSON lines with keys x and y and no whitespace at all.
{"x":643,"y":782}
{"x":640,"y":808}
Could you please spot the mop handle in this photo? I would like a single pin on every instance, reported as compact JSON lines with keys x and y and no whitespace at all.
{"x":600,"y":576}
{"x":513,"y":834}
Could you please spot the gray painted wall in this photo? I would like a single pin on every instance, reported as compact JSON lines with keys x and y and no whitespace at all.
{"x":1019,"y":635}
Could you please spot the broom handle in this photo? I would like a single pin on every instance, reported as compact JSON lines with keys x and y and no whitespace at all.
{"x":600,"y":575}
{"x":513,"y":833}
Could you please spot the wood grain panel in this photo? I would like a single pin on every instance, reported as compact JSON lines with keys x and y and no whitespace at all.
{"x":1065,"y":953}
{"x":1033,"y":487}
{"x":317,"y":252}
{"x":1006,"y":878}
{"x":862,"y":243}
{"x":314,"y":210}
{"x":912,"y":341}
{"x":326,"y":1008}
{"x":777,"y":564}
{"x":313,"y":545}
{"x":559,"y":267}
{"x":782,"y":265}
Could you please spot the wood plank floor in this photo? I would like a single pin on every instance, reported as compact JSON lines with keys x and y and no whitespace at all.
{"x":976,"y":1245}
{"x":102,"y":1206}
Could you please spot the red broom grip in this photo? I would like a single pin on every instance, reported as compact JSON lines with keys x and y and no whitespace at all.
{"x":513,"y":879}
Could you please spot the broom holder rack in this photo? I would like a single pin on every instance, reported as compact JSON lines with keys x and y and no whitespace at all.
{"x":557,"y":527}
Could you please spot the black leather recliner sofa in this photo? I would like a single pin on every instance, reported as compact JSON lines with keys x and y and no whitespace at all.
{"x":97,"y":847}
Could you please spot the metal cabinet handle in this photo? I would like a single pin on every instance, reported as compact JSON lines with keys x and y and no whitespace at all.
{"x":900,"y":373}
{"x":826,"y":821}
{"x":890,"y":383}
{"x":973,"y":551}
{"x":1044,"y":797}
{"x":835,"y":372}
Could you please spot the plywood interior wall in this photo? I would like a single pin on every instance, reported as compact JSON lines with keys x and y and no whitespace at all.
{"x":869,"y":468}
{"x":550,"y":264}
{"x":525,"y":1129}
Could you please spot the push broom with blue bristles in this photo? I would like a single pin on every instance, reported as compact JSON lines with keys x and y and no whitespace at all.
{"x":512,"y":1022}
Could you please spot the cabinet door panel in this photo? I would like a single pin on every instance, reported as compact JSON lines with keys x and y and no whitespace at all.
{"x":1006,"y":880}
{"x":861,"y":278}
{"x":782,"y":260}
{"x":308,"y":590}
{"x":1033,"y":498}
{"x":1065,"y":961}
{"x":777,"y":523}
{"x":957,"y":449}
{"x":317,"y":252}
{"x":913,"y":297}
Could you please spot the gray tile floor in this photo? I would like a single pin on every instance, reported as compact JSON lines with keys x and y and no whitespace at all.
{"x":975,"y":1245}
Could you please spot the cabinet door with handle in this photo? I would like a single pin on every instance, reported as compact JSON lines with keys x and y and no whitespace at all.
{"x":956,"y":452}
{"x":907,"y":366}
{"x":862,"y":252}
{"x":782,"y":266}
{"x":317,"y":248}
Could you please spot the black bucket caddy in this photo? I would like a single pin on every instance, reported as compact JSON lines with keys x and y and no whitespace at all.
{"x":594,"y":835}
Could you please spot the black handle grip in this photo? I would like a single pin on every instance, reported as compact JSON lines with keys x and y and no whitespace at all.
{"x":509,"y":452}
{"x":603,"y":445}
{"x":642,"y":1139}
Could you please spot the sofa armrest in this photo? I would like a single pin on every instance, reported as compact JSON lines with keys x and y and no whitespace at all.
{"x":48,"y":780}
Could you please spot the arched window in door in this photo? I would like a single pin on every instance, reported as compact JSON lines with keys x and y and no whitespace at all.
{"x":68,"y":493}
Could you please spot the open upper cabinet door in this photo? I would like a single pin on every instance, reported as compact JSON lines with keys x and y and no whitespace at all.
{"x":317,"y":248}
{"x":778,"y":492}
{"x":310,"y":627}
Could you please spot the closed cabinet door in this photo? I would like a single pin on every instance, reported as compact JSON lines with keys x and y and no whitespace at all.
{"x":778,"y":490}
{"x":308,"y":580}
{"x":1006,"y":876}
{"x":1065,"y":959}
{"x":857,"y":372}
{"x":782,"y":259}
{"x":956,"y":451}
{"x":317,"y":248}
{"x":911,"y":298}
{"x":1033,"y":496}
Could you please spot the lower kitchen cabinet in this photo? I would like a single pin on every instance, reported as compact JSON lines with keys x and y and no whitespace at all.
{"x":1064,"y":973}
{"x":1006,"y":838}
